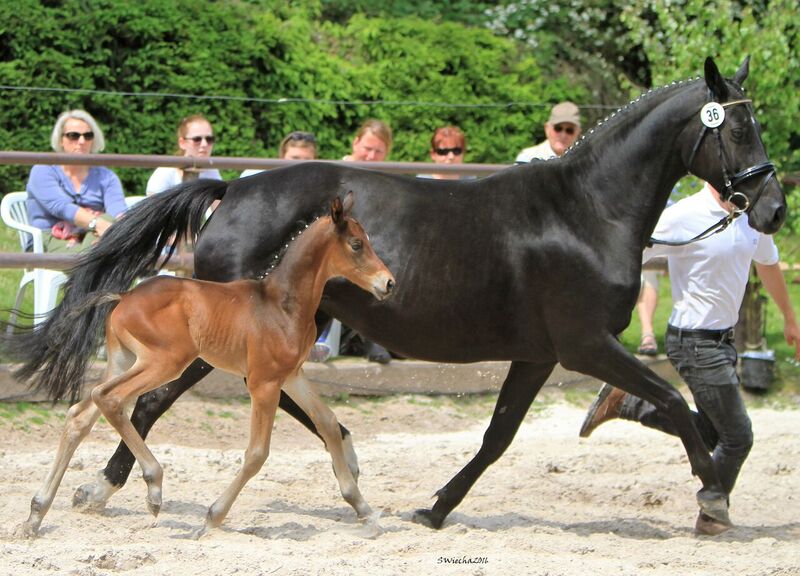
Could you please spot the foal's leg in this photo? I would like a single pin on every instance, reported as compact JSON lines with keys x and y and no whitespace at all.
{"x":621,"y":369}
{"x":264,"y":396}
{"x":522,"y":384}
{"x":149,"y":408}
{"x":305,"y":394}
{"x":111,"y":398}
{"x":80,"y":419}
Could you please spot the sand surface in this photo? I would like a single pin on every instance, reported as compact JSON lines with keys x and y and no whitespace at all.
{"x":621,"y":502}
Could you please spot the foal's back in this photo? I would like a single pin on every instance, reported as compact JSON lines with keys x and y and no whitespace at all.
{"x":219,"y":322}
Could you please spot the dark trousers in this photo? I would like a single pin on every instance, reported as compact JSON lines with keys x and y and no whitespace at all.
{"x":707,"y":364}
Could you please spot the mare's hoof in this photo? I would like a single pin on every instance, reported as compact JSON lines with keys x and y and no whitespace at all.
{"x":85,"y":498}
{"x":714,"y":505}
{"x":708,"y":526}
{"x":428,"y":518}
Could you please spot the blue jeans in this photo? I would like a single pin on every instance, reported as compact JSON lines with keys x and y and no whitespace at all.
{"x":708,"y":366}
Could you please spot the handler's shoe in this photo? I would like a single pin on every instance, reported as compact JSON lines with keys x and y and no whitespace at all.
{"x":605,"y":407}
{"x":708,"y":526}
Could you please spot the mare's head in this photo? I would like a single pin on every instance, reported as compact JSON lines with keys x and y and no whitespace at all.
{"x":726,"y":150}
{"x":352,"y":255}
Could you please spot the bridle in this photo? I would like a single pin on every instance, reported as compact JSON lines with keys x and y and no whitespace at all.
{"x":740,"y":202}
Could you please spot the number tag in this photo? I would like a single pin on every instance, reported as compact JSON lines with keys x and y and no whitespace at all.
{"x":712,"y":114}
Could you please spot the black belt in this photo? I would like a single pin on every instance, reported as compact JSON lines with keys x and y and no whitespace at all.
{"x":725,"y":335}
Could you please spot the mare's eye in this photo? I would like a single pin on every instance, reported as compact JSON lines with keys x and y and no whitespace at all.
{"x":356,"y":244}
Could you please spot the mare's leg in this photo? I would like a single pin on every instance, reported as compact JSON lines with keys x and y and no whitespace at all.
{"x":80,"y":419}
{"x":609,"y":361}
{"x":522,"y":384}
{"x":303,"y":392}
{"x":264,"y":396}
{"x":149,"y":408}
{"x":111,"y":398}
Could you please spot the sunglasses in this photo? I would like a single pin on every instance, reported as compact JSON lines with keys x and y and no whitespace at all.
{"x":457,"y":151}
{"x":568,"y":129}
{"x":197,"y":139}
{"x":302,"y":136}
{"x":75,"y":136}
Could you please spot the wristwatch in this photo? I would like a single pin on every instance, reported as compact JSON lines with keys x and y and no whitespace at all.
{"x":92,"y":224}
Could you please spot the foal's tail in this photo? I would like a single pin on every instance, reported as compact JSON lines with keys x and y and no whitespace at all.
{"x":55,"y":353}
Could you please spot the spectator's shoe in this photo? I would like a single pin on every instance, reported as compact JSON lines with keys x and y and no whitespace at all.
{"x":320,"y":352}
{"x":604,"y":408}
{"x":708,"y":526}
{"x":648,"y":346}
{"x":377,"y":353}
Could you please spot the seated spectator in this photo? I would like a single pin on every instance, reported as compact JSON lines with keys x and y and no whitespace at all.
{"x":74,"y":204}
{"x":195,"y":139}
{"x":561,"y":130}
{"x":372,"y":142}
{"x":448,"y":146}
{"x":295,"y":146}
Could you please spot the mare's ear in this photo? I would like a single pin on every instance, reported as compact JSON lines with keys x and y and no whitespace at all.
{"x":337,"y":214}
{"x":349,"y":200}
{"x":715,"y":81}
{"x":742,"y":72}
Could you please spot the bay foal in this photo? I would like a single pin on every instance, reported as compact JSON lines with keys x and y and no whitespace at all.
{"x":260,"y":329}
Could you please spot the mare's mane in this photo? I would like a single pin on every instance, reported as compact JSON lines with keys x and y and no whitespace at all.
{"x":619,"y":115}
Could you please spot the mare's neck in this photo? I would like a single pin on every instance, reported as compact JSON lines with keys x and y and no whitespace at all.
{"x":632,"y":167}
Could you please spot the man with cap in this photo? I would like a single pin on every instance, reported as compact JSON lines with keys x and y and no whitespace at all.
{"x":562,"y":129}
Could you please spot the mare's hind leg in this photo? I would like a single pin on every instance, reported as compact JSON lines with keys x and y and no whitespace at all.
{"x":111,"y":398}
{"x":81,"y":417}
{"x":522,"y":384}
{"x":621,"y":369}
{"x":149,"y":408}
{"x":303,"y":392}
{"x":264,"y":396}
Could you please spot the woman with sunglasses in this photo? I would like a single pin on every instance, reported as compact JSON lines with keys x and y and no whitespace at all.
{"x":195,"y":139}
{"x":448,"y":146}
{"x":74,"y":203}
{"x":561,"y":130}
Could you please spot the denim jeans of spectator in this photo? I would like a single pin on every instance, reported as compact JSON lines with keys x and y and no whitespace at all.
{"x":708,"y":366}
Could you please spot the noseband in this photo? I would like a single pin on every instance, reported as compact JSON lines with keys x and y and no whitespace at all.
{"x":740,"y":202}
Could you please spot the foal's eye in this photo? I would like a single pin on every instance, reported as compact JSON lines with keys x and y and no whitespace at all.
{"x":356,"y":244}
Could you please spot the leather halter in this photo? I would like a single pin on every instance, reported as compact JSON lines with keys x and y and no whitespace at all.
{"x":741,"y":203}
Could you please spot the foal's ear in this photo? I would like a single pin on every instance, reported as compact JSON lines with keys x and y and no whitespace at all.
{"x":349,"y":200}
{"x":742,"y":72}
{"x":715,"y":81}
{"x":337,"y":214}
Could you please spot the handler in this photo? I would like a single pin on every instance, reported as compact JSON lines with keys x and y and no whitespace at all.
{"x":708,"y":282}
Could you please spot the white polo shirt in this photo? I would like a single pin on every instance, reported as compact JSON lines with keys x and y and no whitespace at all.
{"x":708,"y":277}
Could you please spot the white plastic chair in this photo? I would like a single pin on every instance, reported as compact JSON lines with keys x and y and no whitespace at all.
{"x":45,"y":282}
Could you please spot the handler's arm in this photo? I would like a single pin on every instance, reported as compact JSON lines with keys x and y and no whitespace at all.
{"x":775,"y":285}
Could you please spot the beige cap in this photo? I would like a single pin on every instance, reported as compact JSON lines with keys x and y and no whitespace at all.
{"x":565,"y":112}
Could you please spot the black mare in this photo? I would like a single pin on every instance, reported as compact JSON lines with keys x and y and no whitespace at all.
{"x":537,"y":264}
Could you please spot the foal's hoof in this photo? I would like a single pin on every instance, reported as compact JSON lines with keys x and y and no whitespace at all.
{"x":154,"y":506}
{"x":85,"y":498}
{"x":428,"y":518}
{"x":708,"y":526}
{"x":27,"y":530}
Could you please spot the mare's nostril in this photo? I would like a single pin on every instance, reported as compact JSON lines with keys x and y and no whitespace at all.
{"x":389,"y":286}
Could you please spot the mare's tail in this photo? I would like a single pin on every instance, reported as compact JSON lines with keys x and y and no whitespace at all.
{"x":55,"y":353}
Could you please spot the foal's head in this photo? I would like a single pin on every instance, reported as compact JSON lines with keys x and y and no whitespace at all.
{"x":352,"y":255}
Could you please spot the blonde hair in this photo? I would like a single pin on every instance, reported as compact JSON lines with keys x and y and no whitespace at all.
{"x":377,"y":128}
{"x":182,"y":128}
{"x":98,"y":143}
